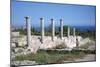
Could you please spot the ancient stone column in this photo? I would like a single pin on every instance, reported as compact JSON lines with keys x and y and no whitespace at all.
{"x":53,"y":29}
{"x":61,"y":28}
{"x":74,"y":32}
{"x":68,"y":31}
{"x":28,"y":28}
{"x":42,"y":29}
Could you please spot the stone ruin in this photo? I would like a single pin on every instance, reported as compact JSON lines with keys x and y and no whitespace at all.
{"x":33,"y":43}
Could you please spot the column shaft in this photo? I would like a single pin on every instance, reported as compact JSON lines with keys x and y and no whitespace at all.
{"x":28,"y":28}
{"x":74,"y":32}
{"x":68,"y":32}
{"x":42,"y":29}
{"x":61,"y":28}
{"x":53,"y":29}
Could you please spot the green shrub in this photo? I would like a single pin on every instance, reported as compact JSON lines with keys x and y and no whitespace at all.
{"x":51,"y":57}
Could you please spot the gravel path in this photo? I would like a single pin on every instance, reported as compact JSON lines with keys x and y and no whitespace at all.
{"x":90,"y":57}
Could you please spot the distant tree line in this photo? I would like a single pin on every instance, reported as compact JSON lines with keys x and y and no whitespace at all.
{"x":57,"y":31}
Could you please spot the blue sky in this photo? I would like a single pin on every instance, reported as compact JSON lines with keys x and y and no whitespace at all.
{"x":73,"y":15}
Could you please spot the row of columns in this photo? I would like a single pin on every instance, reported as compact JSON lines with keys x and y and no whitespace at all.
{"x":53,"y":29}
{"x":28,"y":27}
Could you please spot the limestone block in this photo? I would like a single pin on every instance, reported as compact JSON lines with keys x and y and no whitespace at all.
{"x":14,"y":34}
{"x":84,"y":41}
{"x":13,"y":44}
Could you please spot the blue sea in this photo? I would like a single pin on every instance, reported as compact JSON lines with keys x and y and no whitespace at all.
{"x":85,"y":28}
{"x":80,"y":28}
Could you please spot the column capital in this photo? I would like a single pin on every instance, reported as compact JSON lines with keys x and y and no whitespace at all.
{"x":27,"y":17}
{"x":61,"y":19}
{"x":52,"y":19}
{"x":41,"y":18}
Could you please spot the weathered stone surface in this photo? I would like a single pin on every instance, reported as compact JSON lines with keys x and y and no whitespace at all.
{"x":70,"y":42}
{"x":13,"y":45}
{"x":18,"y":41}
{"x":15,"y":34}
